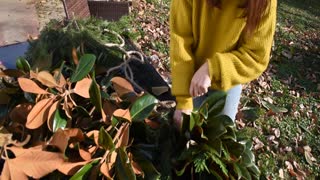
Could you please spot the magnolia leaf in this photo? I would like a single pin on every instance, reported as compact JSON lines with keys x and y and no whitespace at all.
{"x":216,"y":146}
{"x":51,"y":112}
{"x":84,"y":154}
{"x":23,"y":65}
{"x":254,"y":170}
{"x":244,"y":172}
{"x":234,"y":148}
{"x":214,"y":103}
{"x":81,"y":174}
{"x":95,"y":135}
{"x":82,"y":87}
{"x":39,"y":113}
{"x":59,"y":120}
{"x":123,"y":166}
{"x":149,"y":171}
{"x":109,"y":109}
{"x":85,"y":65}
{"x":215,"y":127}
{"x":122,"y":114}
{"x":231,"y":135}
{"x":121,"y":86}
{"x":60,"y":140}
{"x":105,"y":170}
{"x":75,"y":134}
{"x":108,"y":165}
{"x":47,"y":79}
{"x":34,"y":163}
{"x":124,"y":136}
{"x":75,"y":56}
{"x":58,"y":76}
{"x":105,"y":140}
{"x":30,"y":86}
{"x":95,"y":95}
{"x":142,"y":108}
{"x":70,"y":168}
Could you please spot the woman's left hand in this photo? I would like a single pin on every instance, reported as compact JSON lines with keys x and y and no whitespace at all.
{"x":200,"y":81}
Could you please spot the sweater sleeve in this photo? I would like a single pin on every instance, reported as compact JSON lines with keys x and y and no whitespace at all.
{"x":249,"y":60}
{"x":181,"y":55}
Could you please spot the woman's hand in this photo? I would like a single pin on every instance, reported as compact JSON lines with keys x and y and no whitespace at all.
{"x":200,"y":81}
{"x":177,"y":117}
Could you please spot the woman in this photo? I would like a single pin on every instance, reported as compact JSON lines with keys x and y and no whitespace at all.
{"x":218,"y":45}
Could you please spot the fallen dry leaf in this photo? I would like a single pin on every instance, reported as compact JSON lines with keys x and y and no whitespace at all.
{"x":123,"y":114}
{"x":30,"y":86}
{"x":121,"y":86}
{"x":47,"y":79}
{"x":39,"y":113}
{"x":82,"y":87}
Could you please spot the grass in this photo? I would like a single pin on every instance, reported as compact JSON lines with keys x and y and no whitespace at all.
{"x":293,"y":81}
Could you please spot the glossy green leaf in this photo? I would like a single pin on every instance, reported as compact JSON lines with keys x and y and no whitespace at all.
{"x":123,"y":166}
{"x":95,"y":95}
{"x":147,"y":167}
{"x":59,"y":120}
{"x":85,"y":65}
{"x":215,"y":103}
{"x":81,"y":111}
{"x":204,"y":111}
{"x":244,"y":172}
{"x":216,"y":146}
{"x":254,"y":170}
{"x":142,"y":107}
{"x":234,"y":148}
{"x":105,"y":140}
{"x":215,"y":127}
{"x":81,"y":174}
{"x":231,"y":135}
{"x":195,"y":119}
{"x":237,"y":170}
{"x":23,"y":65}
{"x":248,"y":158}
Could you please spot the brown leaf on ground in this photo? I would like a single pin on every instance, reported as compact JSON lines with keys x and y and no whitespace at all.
{"x":47,"y":79}
{"x":82,"y":87}
{"x":30,"y":86}
{"x":121,"y":86}
{"x":39,"y":113}
{"x":60,"y":140}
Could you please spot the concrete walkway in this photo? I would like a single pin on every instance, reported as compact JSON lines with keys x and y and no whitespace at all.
{"x":18,"y":20}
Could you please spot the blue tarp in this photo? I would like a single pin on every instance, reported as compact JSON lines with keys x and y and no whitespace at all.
{"x":9,"y":54}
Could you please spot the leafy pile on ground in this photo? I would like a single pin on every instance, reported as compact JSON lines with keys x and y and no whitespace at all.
{"x":63,"y":117}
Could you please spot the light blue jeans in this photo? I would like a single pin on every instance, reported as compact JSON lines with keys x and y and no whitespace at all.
{"x":232,"y":101}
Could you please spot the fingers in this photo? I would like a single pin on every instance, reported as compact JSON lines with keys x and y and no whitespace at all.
{"x":198,"y":87}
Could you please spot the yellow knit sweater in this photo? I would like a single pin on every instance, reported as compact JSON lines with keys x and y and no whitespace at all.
{"x":200,"y":33}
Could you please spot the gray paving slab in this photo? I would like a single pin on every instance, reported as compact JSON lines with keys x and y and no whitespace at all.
{"x":18,"y":21}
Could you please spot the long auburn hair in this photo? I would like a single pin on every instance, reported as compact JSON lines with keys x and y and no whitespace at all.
{"x":254,"y":11}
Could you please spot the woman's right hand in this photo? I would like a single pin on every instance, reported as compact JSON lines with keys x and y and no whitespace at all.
{"x":177,"y":117}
